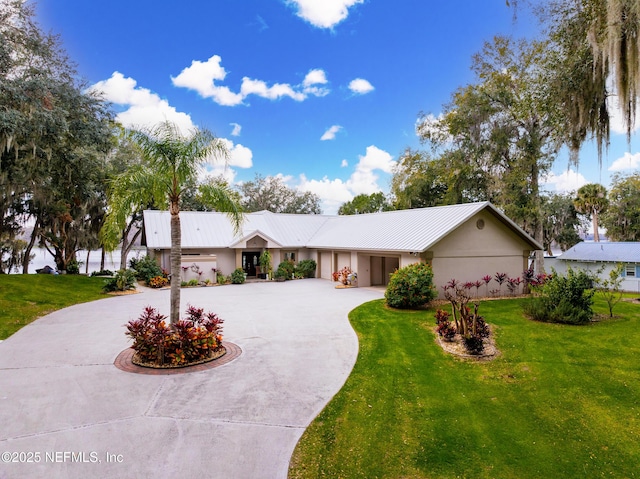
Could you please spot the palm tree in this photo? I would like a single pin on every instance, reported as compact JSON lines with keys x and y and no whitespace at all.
{"x":591,"y":201}
{"x":171,"y":162}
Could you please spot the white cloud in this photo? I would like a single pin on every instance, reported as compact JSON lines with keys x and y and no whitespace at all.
{"x":330,"y":134}
{"x":275,"y":92}
{"x":202,"y":77}
{"x":324,"y":13}
{"x":332,"y":193}
{"x":360,"y":86}
{"x":344,"y":164}
{"x":363,"y":180}
{"x":314,"y":78}
{"x":144,"y":108}
{"x":627,"y":162}
{"x":565,"y":182}
{"x":236,"y":129}
{"x":239,"y":156}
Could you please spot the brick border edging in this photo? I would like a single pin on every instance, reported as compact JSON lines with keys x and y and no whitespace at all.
{"x":124,"y":362}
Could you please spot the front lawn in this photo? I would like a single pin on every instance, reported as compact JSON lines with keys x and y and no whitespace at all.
{"x":560,"y":402}
{"x":24,"y":298}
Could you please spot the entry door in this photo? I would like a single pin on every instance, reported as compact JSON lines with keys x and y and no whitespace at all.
{"x":249,"y":262}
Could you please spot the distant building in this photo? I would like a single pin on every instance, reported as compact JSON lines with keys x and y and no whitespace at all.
{"x":593,"y":256}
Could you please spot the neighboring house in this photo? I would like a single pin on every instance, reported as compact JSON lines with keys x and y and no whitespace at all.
{"x":465,"y":242}
{"x":607,"y":255}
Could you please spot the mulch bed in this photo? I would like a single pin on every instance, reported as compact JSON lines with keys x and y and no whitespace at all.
{"x":457,"y":348}
{"x":124,"y":362}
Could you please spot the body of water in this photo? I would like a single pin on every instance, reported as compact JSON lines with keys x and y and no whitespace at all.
{"x":42,"y":258}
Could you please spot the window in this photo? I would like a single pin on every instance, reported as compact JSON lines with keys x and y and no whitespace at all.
{"x":290,"y":256}
{"x":630,"y":270}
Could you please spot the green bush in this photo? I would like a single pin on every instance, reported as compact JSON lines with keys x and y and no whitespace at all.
{"x":103,"y":272}
{"x":563,"y":299}
{"x":237,"y":277}
{"x":411,"y":287}
{"x":73,"y":267}
{"x":306,"y":268}
{"x":221,"y":278}
{"x":124,"y":280}
{"x":285,"y":269}
{"x":145,"y":268}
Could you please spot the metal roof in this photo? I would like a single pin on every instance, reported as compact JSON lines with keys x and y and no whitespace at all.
{"x":623,"y":252}
{"x":213,"y":230}
{"x":403,"y":230}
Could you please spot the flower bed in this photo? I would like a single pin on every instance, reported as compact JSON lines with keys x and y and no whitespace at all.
{"x":193,"y":340}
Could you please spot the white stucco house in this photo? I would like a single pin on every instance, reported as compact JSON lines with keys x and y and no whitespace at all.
{"x":465,"y":242}
{"x":592,"y":256}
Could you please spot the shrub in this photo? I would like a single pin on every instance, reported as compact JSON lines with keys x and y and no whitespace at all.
{"x":158,"y":282}
{"x":123,"y":280}
{"x":563,"y":299}
{"x":221,"y":278}
{"x":237,"y":277}
{"x":411,"y":287}
{"x":285,"y":269}
{"x":469,"y":325}
{"x":103,"y":272}
{"x":445,"y":328}
{"x":190,"y":340}
{"x":307,"y":268}
{"x":145,"y":268}
{"x":73,"y":267}
{"x":609,"y":289}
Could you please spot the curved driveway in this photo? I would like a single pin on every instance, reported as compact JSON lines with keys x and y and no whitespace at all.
{"x":75,"y":415}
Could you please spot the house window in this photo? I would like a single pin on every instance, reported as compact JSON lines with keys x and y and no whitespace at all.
{"x":630,"y":270}
{"x":290,"y":256}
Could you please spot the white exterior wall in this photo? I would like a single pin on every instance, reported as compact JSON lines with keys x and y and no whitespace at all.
{"x":631,"y":285}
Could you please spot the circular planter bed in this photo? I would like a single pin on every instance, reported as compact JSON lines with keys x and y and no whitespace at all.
{"x":219,"y":352}
{"x":457,"y":348}
{"x":125,"y":362}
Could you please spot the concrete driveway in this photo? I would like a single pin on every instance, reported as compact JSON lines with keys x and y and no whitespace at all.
{"x":67,"y":412}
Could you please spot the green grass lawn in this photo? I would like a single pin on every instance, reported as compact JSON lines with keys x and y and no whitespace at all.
{"x":560,"y":402}
{"x":24,"y":298}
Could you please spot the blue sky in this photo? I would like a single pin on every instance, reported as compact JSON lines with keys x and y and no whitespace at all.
{"x":325,"y":93}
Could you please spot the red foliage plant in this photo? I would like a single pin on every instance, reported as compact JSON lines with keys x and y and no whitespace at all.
{"x":190,"y":340}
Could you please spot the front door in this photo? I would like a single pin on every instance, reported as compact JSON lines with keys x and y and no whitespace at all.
{"x":249,"y":262}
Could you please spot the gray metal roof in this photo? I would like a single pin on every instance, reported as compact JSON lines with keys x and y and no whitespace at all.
{"x":628,"y":252}
{"x":214,"y":230}
{"x":403,"y":231}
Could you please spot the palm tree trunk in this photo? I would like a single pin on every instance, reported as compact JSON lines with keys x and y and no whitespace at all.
{"x":596,"y":235}
{"x":176,"y":255}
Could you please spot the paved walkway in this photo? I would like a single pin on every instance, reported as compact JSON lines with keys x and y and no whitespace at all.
{"x":75,"y":415}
